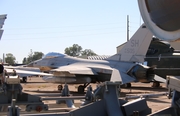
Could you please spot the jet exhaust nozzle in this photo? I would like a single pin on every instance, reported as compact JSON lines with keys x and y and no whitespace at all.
{"x":142,"y":73}
{"x":161,"y":17}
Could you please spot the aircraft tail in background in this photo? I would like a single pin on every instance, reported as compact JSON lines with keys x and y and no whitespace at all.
{"x":136,"y":48}
{"x":2,"y":19}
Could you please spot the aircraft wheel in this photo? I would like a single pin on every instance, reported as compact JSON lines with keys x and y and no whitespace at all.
{"x":156,"y":84}
{"x":127,"y":85}
{"x":60,"y":87}
{"x":24,"y":79}
{"x":81,"y":89}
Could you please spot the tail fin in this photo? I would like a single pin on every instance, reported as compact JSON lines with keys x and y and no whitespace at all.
{"x":135,"y":49}
{"x":1,"y":32}
{"x":2,"y":19}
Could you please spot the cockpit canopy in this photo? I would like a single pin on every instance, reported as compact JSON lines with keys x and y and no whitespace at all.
{"x":53,"y":55}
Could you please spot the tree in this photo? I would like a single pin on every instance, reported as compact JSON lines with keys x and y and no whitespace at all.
{"x":88,"y":52}
{"x":24,"y":60}
{"x":74,"y":50}
{"x":10,"y":59}
{"x":32,"y":57}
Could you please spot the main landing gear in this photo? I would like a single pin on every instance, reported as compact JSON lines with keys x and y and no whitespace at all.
{"x":24,"y":79}
{"x":82,"y":87}
{"x":79,"y":90}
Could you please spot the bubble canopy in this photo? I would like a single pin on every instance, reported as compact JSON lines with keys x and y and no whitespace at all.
{"x":53,"y":55}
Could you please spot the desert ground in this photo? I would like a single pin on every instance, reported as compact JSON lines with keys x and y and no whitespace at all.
{"x":36,"y":85}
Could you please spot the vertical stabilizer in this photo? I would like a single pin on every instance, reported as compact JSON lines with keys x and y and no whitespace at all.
{"x":2,"y":19}
{"x":135,"y":49}
{"x":1,"y":32}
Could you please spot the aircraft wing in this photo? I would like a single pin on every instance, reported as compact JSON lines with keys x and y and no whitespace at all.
{"x":119,"y":76}
{"x":116,"y":74}
{"x":23,"y":73}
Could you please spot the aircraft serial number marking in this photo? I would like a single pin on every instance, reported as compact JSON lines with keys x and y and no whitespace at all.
{"x":129,"y":50}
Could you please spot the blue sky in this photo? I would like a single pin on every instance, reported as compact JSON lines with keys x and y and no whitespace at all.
{"x":52,"y":25}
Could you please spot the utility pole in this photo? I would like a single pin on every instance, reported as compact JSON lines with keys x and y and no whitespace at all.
{"x":31,"y":55}
{"x":127,"y":27}
{"x":3,"y":61}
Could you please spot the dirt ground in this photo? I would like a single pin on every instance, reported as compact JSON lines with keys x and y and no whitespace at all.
{"x":37,"y":85}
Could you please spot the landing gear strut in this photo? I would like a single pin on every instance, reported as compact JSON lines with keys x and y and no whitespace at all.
{"x":82,"y":87}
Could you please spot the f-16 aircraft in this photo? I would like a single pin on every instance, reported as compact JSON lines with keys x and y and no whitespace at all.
{"x":67,"y":69}
{"x":2,"y":19}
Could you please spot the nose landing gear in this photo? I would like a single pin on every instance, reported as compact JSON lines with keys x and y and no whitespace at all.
{"x":60,"y":87}
{"x":82,"y":87}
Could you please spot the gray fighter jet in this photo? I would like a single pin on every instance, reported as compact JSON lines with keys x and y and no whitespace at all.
{"x":72,"y":70}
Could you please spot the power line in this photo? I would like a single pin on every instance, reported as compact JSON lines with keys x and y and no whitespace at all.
{"x":15,"y":28}
{"x":61,"y":36}
{"x":66,"y":31}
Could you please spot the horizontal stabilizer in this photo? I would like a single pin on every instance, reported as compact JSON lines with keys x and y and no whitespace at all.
{"x":159,"y":79}
{"x":118,"y":76}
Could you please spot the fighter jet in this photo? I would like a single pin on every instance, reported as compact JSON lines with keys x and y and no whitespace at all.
{"x":164,"y":58}
{"x":2,"y":19}
{"x":72,"y":70}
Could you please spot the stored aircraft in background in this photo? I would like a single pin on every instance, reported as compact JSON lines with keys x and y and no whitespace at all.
{"x":162,"y":19}
{"x":164,"y":58}
{"x":67,"y":69}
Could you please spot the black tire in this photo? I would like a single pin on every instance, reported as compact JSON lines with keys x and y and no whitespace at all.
{"x":60,"y":87}
{"x":156,"y":84}
{"x":81,"y":89}
{"x":24,"y":79}
{"x":127,"y":85}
